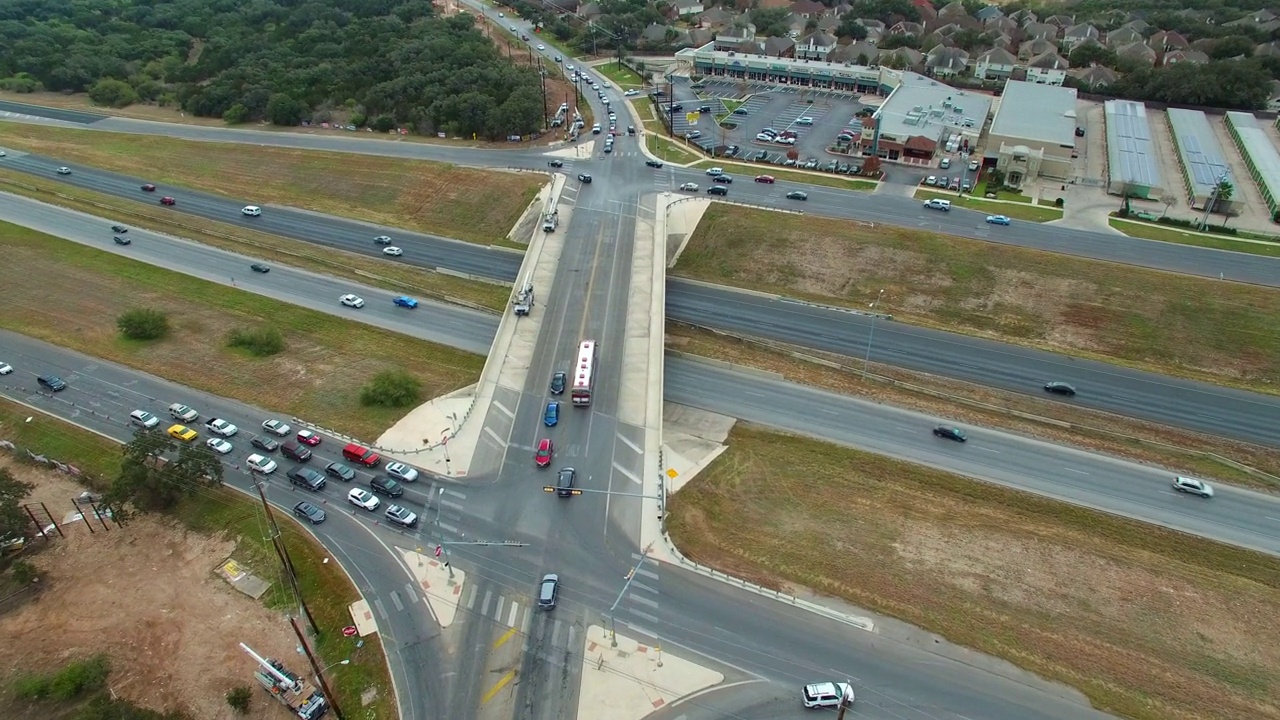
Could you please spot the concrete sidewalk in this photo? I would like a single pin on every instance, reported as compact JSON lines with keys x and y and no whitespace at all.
{"x":632,"y":680}
{"x":441,"y":588}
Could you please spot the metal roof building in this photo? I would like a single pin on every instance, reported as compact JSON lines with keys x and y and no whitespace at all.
{"x":1132,"y":165}
{"x":1201,"y":158}
{"x":1259,"y":155}
{"x":1033,"y":133}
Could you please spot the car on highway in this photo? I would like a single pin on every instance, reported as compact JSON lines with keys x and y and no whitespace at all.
{"x":308,"y":437}
{"x":542,"y":456}
{"x":565,"y":482}
{"x":393,"y":251}
{"x":767,"y":179}
{"x":382,"y":240}
{"x":950,"y":433}
{"x":552,"y":414}
{"x":653,"y":163}
{"x":251,"y":210}
{"x":998,"y":219}
{"x":178,"y":411}
{"x":937,"y":204}
{"x":1060,"y":388}
{"x":261,"y":464}
{"x":218,"y":445}
{"x":260,"y":268}
{"x":167,"y":200}
{"x":401,"y":471}
{"x":689,"y":187}
{"x":119,"y":228}
{"x":1191,"y":486}
{"x":295,"y":450}
{"x":148,"y":188}
{"x":306,"y":478}
{"x":717,"y":190}
{"x":558,"y":380}
{"x":121,"y":240}
{"x":548,"y":591}
{"x":350,"y":300}
{"x":383,"y":485}
{"x":64,"y":171}
{"x":142,"y":418}
{"x":218,"y":426}
{"x":276,"y":427}
{"x":362,"y":455}
{"x":827,"y":694}
{"x":265,"y":444}
{"x":362,"y":498}
{"x":52,"y":383}
{"x":340,"y":471}
{"x":307,"y":511}
{"x":584,"y":178}
{"x":405,"y":301}
{"x":402,"y":516}
{"x":6,"y":368}
{"x":555,"y":163}
{"x":797,"y":195}
{"x":542,"y":47}
{"x":712,"y":172}
{"x":183,"y":433}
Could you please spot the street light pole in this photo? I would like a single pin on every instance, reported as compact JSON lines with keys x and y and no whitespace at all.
{"x":440,"y":531}
{"x":613,"y":625}
{"x":867,"y":360}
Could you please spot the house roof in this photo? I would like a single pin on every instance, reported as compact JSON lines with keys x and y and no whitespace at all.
{"x":1040,"y":30}
{"x":817,"y":39}
{"x":1123,"y":36}
{"x":1036,"y":47}
{"x":907,"y":28}
{"x":1083,"y":30}
{"x":998,"y":56}
{"x":947,"y":58}
{"x":808,"y":7}
{"x":1137,"y":50}
{"x":777,"y":45}
{"x":1041,"y":113}
{"x":1049,"y":61}
{"x":1095,"y":76}
{"x":990,"y":12}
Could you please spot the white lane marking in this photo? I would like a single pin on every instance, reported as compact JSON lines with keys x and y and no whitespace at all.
{"x":496,"y":438}
{"x":555,"y":634}
{"x":449,"y":527}
{"x":454,"y":493}
{"x":644,"y":600}
{"x":642,"y":586}
{"x":1075,"y":471}
{"x":484,"y":606}
{"x":987,"y":449}
{"x":629,"y":444}
{"x":511,"y":617}
{"x":452,"y":506}
{"x":643,"y":616}
{"x":629,"y":475}
{"x":471,"y":597}
{"x":497,"y":612}
{"x":504,"y":409}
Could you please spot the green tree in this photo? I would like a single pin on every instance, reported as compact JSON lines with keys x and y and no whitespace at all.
{"x":150,"y":482}
{"x":235,"y":114}
{"x":850,"y":28}
{"x":1087,"y":54}
{"x":893,"y":42}
{"x":771,"y":22}
{"x":284,"y":110}
{"x":239,"y":697}
{"x":886,"y":10}
{"x":113,"y":93}
{"x":391,"y":388}
{"x":143,"y":324}
{"x":13,"y":521}
{"x":1230,"y":47}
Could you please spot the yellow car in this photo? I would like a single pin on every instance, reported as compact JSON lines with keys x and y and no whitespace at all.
{"x":183,"y":433}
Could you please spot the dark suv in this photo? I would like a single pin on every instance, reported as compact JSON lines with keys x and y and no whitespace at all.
{"x":340,"y":471}
{"x":558,"y":380}
{"x":53,"y":383}
{"x":1060,"y":388}
{"x":950,"y":433}
{"x":564,"y":484}
{"x":307,"y":478}
{"x":295,"y":450}
{"x":383,"y":485}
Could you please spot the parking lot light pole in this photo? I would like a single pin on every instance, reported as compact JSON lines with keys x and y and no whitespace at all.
{"x":867,"y":360}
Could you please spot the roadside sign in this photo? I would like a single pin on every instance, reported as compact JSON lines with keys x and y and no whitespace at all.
{"x":692,"y":117}
{"x":439,"y":549}
{"x":349,"y":631}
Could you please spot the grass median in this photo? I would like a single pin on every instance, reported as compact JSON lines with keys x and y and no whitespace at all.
{"x":328,"y":591}
{"x":1148,"y":623}
{"x":669,"y":151}
{"x":1164,"y":233}
{"x":1226,"y":333}
{"x":474,"y":205}
{"x":622,"y":75}
{"x":810,"y":178}
{"x":318,"y":377}
{"x":1016,"y":210}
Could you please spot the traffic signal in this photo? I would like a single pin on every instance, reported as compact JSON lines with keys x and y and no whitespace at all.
{"x":553,"y":488}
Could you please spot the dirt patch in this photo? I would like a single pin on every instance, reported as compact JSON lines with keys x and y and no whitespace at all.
{"x":475,"y":205}
{"x":147,"y":596}
{"x":1162,"y":321}
{"x":1148,"y":623}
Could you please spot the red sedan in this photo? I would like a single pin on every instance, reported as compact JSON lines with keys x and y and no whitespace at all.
{"x":149,"y":188}
{"x":543,"y":456}
{"x":764,"y":179}
{"x":166,"y":200}
{"x":306,"y":437}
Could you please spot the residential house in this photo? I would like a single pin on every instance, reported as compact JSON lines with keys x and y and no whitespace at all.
{"x":783,"y":47}
{"x":699,"y":37}
{"x":858,"y":53}
{"x":903,"y":58}
{"x":988,"y":13}
{"x":1166,"y":40}
{"x":1033,"y":48}
{"x":842,"y":8}
{"x":1048,"y":69}
{"x":1061,"y":21}
{"x":815,"y":46}
{"x":1262,"y":20}
{"x":875,"y":29}
{"x":829,"y":24}
{"x":808,"y":9}
{"x":774,"y":4}
{"x":1174,"y":57}
{"x":1001,"y":24}
{"x":1076,"y":34}
{"x":941,"y":35}
{"x":945,"y":62}
{"x":590,"y":11}
{"x":1094,"y":77}
{"x":1138,"y":25}
{"x":905,"y":27}
{"x":952,"y":11}
{"x":657,"y":35}
{"x":1039,"y":31}
{"x":1204,"y":45}
{"x":796,"y":25}
{"x":564,"y":6}
{"x":1003,"y":40}
{"x":732,"y":39}
{"x":1120,"y":37}
{"x":1138,"y":52}
{"x":1022,"y":17}
{"x":688,"y":7}
{"x":717,"y":18}
{"x":927,"y":11}
{"x":1269,"y":49}
{"x":994,"y":64}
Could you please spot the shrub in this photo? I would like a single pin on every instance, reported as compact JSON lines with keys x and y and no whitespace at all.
{"x":23,"y":572}
{"x":238,"y":698}
{"x":391,"y":388}
{"x":143,"y":324}
{"x":73,"y":680}
{"x":259,"y":342}
{"x":1059,"y":202}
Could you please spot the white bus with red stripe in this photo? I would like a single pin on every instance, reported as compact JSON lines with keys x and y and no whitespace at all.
{"x":584,"y":374}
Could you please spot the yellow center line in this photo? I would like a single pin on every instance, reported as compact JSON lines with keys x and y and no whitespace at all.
{"x":501,"y":684}
{"x":505,"y":637}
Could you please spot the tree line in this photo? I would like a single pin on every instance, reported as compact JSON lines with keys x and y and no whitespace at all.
{"x":385,"y":63}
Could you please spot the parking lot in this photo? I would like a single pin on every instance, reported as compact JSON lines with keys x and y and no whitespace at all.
{"x":811,"y":119}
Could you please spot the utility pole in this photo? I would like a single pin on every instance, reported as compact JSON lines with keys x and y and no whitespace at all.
{"x":613,"y":626}
{"x":546,"y":117}
{"x":315,"y":667}
{"x":1213,"y":200}
{"x":277,"y":541}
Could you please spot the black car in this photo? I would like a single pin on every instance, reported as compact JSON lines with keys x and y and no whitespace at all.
{"x":950,"y":433}
{"x":119,"y":229}
{"x":310,"y":512}
{"x":121,"y":240}
{"x":584,"y":178}
{"x":259,"y":268}
{"x":717,"y":190}
{"x":383,"y":485}
{"x":294,"y":450}
{"x":723,"y":179}
{"x":565,"y":483}
{"x":1060,"y":388}
{"x":740,"y":111}
{"x":653,"y":163}
{"x":307,"y":478}
{"x":558,"y":381}
{"x":265,"y":444}
{"x":631,"y":129}
{"x":340,"y":471}
{"x":704,"y":108}
{"x":555,"y":163}
{"x":53,"y":383}
{"x":677,"y":108}
{"x":797,"y":195}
